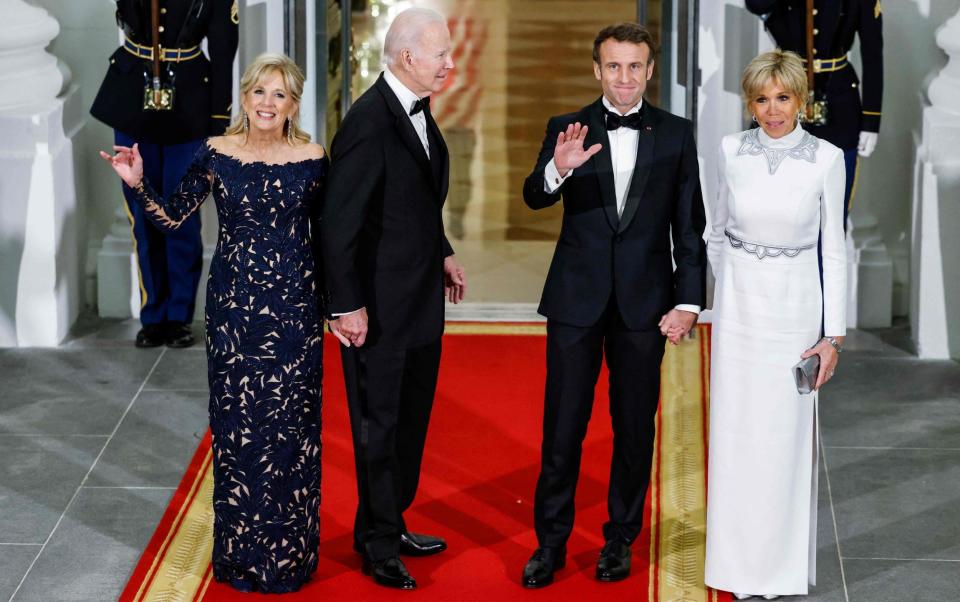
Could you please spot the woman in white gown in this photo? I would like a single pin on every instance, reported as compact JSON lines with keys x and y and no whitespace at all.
{"x":781,"y":190}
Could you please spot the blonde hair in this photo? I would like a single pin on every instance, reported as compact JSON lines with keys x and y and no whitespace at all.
{"x":783,"y":66}
{"x":293,"y":81}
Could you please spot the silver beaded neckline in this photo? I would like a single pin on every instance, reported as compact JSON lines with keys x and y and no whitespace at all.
{"x":805,"y":150}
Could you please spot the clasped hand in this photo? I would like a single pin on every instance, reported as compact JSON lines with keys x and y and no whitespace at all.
{"x":351,"y":329}
{"x":676,"y":323}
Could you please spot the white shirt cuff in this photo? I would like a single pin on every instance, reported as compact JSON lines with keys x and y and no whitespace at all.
{"x":346,"y":313}
{"x":694,"y":309}
{"x":552,"y":180}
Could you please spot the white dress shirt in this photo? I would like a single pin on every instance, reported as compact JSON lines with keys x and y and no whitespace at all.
{"x":407,"y":100}
{"x":623,"y":155}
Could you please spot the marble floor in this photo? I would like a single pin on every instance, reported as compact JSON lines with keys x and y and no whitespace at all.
{"x":95,"y":435}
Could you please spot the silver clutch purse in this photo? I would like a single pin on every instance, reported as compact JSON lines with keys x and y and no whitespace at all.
{"x":805,"y":374}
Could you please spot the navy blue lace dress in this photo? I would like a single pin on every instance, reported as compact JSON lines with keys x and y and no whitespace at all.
{"x":264,"y":337}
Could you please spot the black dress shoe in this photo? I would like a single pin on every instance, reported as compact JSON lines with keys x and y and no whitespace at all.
{"x":179,"y":335}
{"x":542,"y":565}
{"x":614,"y":561}
{"x":415,"y":544}
{"x":389,"y":572}
{"x":151,"y":335}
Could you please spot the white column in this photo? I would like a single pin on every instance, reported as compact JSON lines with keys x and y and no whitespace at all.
{"x":40,"y":275}
{"x":28,"y":74}
{"x":934,"y":294}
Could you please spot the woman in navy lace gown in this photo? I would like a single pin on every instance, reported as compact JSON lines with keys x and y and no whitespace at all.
{"x":264,"y":327}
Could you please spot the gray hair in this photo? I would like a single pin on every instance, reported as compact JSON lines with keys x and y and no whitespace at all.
{"x":406,"y":30}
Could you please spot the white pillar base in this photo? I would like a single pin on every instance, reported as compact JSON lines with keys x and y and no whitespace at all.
{"x":41,"y":268}
{"x":118,"y":285}
{"x":936,"y":189}
{"x":869,"y":274}
{"x":118,"y":278}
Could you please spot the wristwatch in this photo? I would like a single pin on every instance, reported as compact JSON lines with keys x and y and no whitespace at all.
{"x":834,"y":343}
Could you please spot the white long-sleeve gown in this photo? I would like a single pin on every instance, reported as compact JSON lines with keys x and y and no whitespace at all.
{"x":777,"y":197}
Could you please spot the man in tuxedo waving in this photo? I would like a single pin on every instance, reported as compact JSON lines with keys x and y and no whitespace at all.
{"x":388,"y":268}
{"x":628,"y":177}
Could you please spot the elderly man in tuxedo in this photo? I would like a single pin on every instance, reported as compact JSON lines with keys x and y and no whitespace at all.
{"x":389,"y":267}
{"x":627,"y":175}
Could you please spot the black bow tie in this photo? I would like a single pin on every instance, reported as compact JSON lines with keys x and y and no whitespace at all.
{"x":615,"y":121}
{"x":422,"y":104}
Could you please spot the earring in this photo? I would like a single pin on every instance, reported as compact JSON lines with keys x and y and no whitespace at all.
{"x":754,"y":118}
{"x":246,"y":123}
{"x":290,"y":131}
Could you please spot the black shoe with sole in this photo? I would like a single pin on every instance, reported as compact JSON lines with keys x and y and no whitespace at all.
{"x":416,"y":544}
{"x":542,"y":565}
{"x":389,"y":572}
{"x":179,"y":335}
{"x":614,"y":561}
{"x":151,"y":335}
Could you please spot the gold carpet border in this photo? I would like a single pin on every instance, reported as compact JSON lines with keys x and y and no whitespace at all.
{"x":500,"y":328}
{"x":183,"y":567}
{"x":678,"y":479}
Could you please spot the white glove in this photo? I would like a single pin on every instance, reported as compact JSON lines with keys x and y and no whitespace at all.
{"x":868,"y":142}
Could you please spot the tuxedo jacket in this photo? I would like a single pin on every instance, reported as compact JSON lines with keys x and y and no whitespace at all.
{"x":382,"y":233}
{"x":599,"y":253}
{"x":852,"y":106}
{"x":203,"y":87}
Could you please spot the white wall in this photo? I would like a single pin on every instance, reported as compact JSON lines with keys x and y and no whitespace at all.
{"x":720,"y":106}
{"x":911,"y":58}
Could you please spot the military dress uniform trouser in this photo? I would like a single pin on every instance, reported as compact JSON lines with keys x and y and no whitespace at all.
{"x":169,"y":262}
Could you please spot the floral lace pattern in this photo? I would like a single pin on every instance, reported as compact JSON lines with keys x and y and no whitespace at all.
{"x":264,"y":362}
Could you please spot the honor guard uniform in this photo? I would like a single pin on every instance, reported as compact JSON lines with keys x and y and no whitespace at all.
{"x":852,"y":107}
{"x":162,"y":92}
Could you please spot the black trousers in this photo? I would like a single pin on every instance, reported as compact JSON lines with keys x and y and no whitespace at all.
{"x":390,"y":394}
{"x":574,"y":357}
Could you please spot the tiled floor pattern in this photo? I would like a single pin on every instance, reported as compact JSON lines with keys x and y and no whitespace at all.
{"x":95,"y":435}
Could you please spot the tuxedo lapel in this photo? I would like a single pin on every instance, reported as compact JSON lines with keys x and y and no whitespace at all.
{"x":404,"y":127}
{"x":602,"y":162}
{"x":641,"y":171}
{"x":439,"y":156}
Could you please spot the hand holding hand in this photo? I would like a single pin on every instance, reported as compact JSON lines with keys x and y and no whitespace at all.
{"x":454,"y":280}
{"x":350,"y":329}
{"x":569,"y":153}
{"x":127,"y":163}
{"x":828,"y":360}
{"x":676,"y":323}
{"x":334,"y":327}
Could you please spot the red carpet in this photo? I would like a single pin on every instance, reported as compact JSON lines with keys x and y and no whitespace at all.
{"x":477,"y":487}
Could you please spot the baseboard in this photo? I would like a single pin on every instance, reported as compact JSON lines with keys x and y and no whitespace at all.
{"x":493,"y":312}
